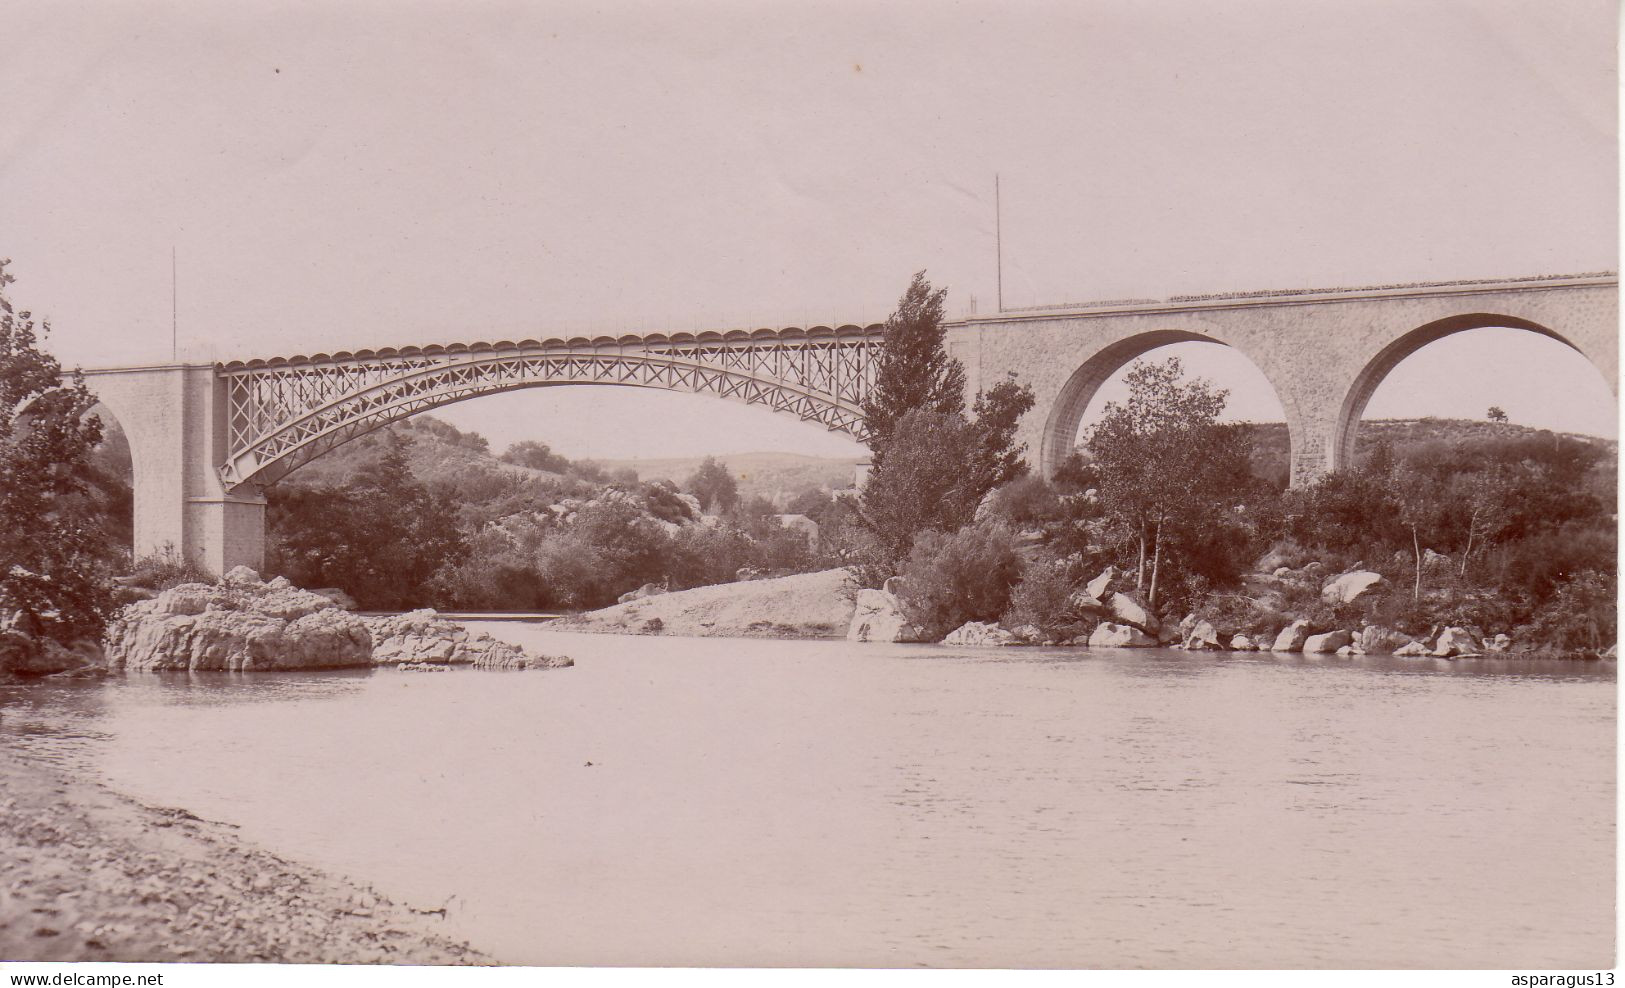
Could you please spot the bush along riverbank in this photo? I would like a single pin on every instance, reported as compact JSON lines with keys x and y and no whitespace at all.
{"x":1278,"y":608}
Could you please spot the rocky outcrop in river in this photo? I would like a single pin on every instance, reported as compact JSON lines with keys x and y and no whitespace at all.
{"x":423,"y":637}
{"x":238,"y":625}
{"x":245,"y":624}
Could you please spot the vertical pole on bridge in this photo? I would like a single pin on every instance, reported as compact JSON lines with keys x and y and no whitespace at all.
{"x":998,"y":238}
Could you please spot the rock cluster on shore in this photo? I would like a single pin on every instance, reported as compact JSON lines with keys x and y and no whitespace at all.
{"x":246,"y":624}
{"x":1122,"y":619}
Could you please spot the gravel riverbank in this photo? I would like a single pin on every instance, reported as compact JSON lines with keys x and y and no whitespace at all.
{"x":90,"y":875}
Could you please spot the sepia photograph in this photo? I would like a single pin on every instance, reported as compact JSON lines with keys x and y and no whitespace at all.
{"x":826,"y":486}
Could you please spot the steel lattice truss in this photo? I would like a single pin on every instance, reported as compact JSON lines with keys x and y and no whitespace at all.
{"x":284,"y":413}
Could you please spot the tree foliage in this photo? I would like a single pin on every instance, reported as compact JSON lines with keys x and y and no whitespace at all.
{"x":380,"y":536}
{"x":1166,"y":465}
{"x":714,"y":486}
{"x":953,"y":577}
{"x":913,"y":372}
{"x":932,"y":466}
{"x":53,"y":558}
{"x":535,"y":455}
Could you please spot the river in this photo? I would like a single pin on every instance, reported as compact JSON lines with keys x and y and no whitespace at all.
{"x":676,"y":801}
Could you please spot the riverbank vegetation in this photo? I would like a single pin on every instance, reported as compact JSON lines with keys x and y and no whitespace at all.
{"x":56,"y":561}
{"x":1486,"y":525}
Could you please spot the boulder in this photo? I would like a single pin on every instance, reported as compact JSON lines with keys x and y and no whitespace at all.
{"x":1329,"y":642}
{"x":1109,"y":635}
{"x":1349,"y":652}
{"x":340,"y":599}
{"x":1412,"y":650}
{"x":878,"y":617}
{"x":893,"y":585}
{"x":1455,"y":641}
{"x":1500,"y":643}
{"x":423,"y":637}
{"x":1350,"y":587}
{"x":1274,"y":561}
{"x":245,"y":626}
{"x":1376,"y":640}
{"x":1242,"y":643}
{"x":1204,"y":637}
{"x":1282,"y":572}
{"x":1128,"y":608}
{"x":235,"y":626}
{"x":1083,"y":602}
{"x":979,"y":633}
{"x":1611,"y":652}
{"x":1291,"y":637}
{"x":242,"y":575}
{"x":647,"y":590}
{"x":22,"y":654}
{"x":1099,"y":585}
{"x":1030,"y":634}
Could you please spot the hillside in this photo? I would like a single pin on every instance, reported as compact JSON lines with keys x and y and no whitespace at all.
{"x":439,"y":452}
{"x":1270,"y":456}
{"x":765,"y":474}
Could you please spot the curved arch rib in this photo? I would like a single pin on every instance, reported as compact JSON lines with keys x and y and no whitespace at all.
{"x":784,"y":382}
{"x":1379,"y":367}
{"x":1061,"y":427}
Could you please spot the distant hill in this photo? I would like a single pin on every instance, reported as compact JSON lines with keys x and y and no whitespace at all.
{"x":764,"y":474}
{"x":439,"y":452}
{"x":1270,"y":456}
{"x":442,"y":452}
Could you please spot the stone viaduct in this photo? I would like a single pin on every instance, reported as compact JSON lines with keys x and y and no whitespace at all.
{"x":206,"y":438}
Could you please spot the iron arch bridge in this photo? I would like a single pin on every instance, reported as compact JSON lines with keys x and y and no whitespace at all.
{"x":284,"y":412}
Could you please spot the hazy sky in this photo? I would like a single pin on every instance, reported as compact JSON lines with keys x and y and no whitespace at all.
{"x":344,"y":174}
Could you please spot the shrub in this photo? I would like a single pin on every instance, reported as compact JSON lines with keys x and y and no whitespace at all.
{"x":1026,"y":502}
{"x":166,"y":569}
{"x":949,"y":579}
{"x":1044,"y":597}
{"x":1581,"y":615}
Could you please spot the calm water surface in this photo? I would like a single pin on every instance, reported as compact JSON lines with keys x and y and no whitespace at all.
{"x":718,"y":802}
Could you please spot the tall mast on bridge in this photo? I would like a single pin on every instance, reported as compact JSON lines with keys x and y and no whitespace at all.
{"x":998,"y":238}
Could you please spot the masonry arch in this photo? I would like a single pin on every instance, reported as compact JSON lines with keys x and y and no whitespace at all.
{"x":1377,"y":369}
{"x":1067,"y":413}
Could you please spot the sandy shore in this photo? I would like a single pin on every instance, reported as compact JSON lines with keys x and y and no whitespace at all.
{"x":807,"y":605}
{"x":89,"y":875}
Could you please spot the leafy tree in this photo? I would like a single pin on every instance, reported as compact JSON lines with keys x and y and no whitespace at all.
{"x":914,"y":371}
{"x":951,"y":578}
{"x":714,"y":486}
{"x":1165,"y":462}
{"x":380,"y":537}
{"x":1486,"y":502}
{"x":535,"y":455}
{"x":931,"y":465}
{"x":53,"y":559}
{"x":925,"y":484}
{"x":1496,"y":414}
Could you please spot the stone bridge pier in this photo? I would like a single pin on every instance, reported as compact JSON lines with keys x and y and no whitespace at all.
{"x":174,"y":417}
